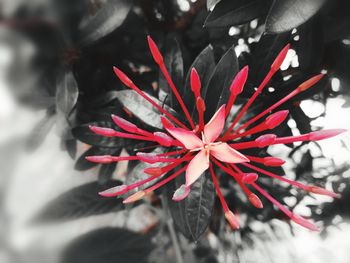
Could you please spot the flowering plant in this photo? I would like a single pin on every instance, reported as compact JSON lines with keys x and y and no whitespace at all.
{"x":197,"y":147}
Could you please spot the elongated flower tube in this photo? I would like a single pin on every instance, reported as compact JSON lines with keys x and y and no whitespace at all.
{"x":194,"y":147}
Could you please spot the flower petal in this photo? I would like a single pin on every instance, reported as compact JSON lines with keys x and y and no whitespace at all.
{"x":196,"y":167}
{"x":214,"y":127}
{"x":188,"y":138}
{"x":223,"y":152}
{"x":181,"y":193}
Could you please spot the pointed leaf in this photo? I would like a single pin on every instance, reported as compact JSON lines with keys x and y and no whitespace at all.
{"x":285,"y":15}
{"x":204,"y":64}
{"x":174,"y":63}
{"x":81,"y":201}
{"x":192,"y":215}
{"x":40,"y":131}
{"x":108,"y":245}
{"x":141,"y":108}
{"x":218,"y":89}
{"x":66,"y":94}
{"x":230,"y":13}
{"x":106,"y":20}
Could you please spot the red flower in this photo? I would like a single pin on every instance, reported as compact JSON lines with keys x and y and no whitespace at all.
{"x":202,"y":146}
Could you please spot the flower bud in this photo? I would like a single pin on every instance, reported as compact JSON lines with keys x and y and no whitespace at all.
{"x":100,"y":159}
{"x":195,"y":83}
{"x":108,"y":132}
{"x":265,"y":140}
{"x":325,"y":134}
{"x":135,"y":197}
{"x":280,"y":58}
{"x":115,"y":191}
{"x":239,"y":81}
{"x":123,"y":77}
{"x":273,"y":161}
{"x":276,"y":118}
{"x":255,"y":200}
{"x":124,"y":124}
{"x":147,"y":157}
{"x":232,"y":219}
{"x":249,"y":178}
{"x":157,"y":56}
{"x":163,"y":139}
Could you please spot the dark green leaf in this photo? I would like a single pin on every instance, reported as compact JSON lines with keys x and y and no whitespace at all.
{"x":141,"y":108}
{"x":285,"y":15}
{"x":106,"y":20}
{"x":218,"y":90}
{"x":106,"y":172}
{"x":263,"y":55}
{"x":192,"y":215}
{"x":204,"y":64}
{"x":230,"y":13}
{"x":211,"y":3}
{"x":174,"y":64}
{"x":108,"y":245}
{"x":66,"y":94}
{"x":137,"y":174}
{"x":81,"y":201}
{"x":310,"y":46}
{"x":40,"y":131}
{"x":301,"y":119}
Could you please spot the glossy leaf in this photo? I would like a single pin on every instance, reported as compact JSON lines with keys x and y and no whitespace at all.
{"x":40,"y":131}
{"x":174,"y":64}
{"x":218,"y":90}
{"x":192,"y":215}
{"x":231,"y":13}
{"x":141,"y":108}
{"x":204,"y":64}
{"x":67,"y":94}
{"x":285,"y":15}
{"x":106,"y":20}
{"x":264,"y":53}
{"x":108,"y":245}
{"x":212,"y":3}
{"x":79,"y":202}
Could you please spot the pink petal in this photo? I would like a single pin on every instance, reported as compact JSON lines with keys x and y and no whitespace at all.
{"x":196,"y":167}
{"x":181,"y":193}
{"x":223,"y":152}
{"x":214,"y":127}
{"x":188,"y":138}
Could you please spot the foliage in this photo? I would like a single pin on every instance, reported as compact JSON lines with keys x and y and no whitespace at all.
{"x":73,"y":81}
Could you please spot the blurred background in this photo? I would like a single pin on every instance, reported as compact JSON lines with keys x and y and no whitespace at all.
{"x":56,"y":77}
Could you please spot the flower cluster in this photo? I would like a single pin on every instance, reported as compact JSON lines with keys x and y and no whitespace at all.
{"x":203,"y":146}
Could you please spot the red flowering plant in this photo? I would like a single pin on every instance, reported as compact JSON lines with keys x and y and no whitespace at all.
{"x":195,"y":147}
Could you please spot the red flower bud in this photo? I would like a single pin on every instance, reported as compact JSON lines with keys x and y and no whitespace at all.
{"x":280,"y":58}
{"x":324,"y":134}
{"x":195,"y":83}
{"x":157,"y":56}
{"x":108,"y":132}
{"x":123,"y":77}
{"x":239,"y":81}
{"x":310,"y":82}
{"x":255,"y":200}
{"x":276,"y":118}
{"x":232,"y":219}
{"x":249,"y":178}
{"x":273,"y":161}
{"x":124,"y":124}
{"x":265,"y":140}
